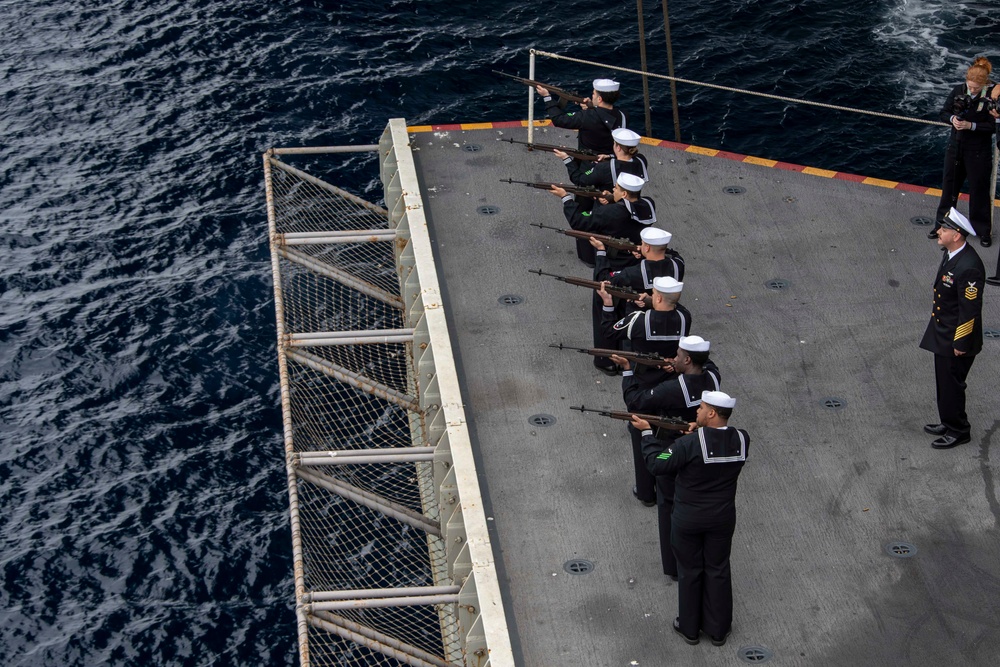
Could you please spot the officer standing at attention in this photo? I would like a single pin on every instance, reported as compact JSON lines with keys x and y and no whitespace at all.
{"x":970,"y":150}
{"x":595,"y":120}
{"x":707,"y":463}
{"x":603,"y":174}
{"x":624,"y":216}
{"x":955,"y":331}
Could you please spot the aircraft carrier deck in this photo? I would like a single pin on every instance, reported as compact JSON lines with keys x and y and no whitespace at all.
{"x":814,"y":289}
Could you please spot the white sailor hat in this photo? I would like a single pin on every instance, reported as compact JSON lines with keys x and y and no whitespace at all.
{"x":694,"y":344}
{"x":955,"y":220}
{"x":667,"y":285}
{"x":625,"y":137}
{"x":605,"y":85}
{"x":654,"y":236}
{"x":718,"y":399}
{"x":630,"y":182}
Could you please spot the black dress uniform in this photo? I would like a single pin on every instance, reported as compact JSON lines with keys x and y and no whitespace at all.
{"x":640,"y":276}
{"x":956,"y":324}
{"x":604,"y":174}
{"x":637,"y":276}
{"x":652,"y":332}
{"x":969,"y":155}
{"x":594,"y":124}
{"x":679,"y":397}
{"x":649,"y":331}
{"x":623,"y":219}
{"x":707,"y":464}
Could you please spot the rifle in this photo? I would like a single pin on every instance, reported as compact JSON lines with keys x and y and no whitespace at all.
{"x":642,"y":358}
{"x":582,"y":154}
{"x":608,"y":241}
{"x":570,"y":189}
{"x":618,"y":292}
{"x":558,"y":92}
{"x":656,"y":421}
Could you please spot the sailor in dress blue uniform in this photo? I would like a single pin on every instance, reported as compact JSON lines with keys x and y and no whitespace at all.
{"x":603,"y":174}
{"x":595,"y":121}
{"x":707,"y":463}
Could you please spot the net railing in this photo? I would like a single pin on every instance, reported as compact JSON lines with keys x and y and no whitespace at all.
{"x":380,"y":579}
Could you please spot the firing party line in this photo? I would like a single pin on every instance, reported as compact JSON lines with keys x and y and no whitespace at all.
{"x":686,"y":458}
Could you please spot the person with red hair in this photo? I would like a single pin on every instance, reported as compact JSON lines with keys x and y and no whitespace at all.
{"x":970,"y":150}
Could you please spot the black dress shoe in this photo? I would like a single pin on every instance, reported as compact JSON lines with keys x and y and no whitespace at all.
{"x":721,"y":641}
{"x":936,"y":429}
{"x":677,"y":628}
{"x":986,"y":240}
{"x":994,"y":280}
{"x":932,"y":234}
{"x":949,"y":441}
{"x":647,"y":503}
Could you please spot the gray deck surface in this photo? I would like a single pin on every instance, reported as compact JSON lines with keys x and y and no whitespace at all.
{"x":823,"y":492}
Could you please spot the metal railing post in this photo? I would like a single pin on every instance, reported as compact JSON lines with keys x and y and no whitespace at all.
{"x":670,"y":71}
{"x":642,"y":61}
{"x":531,"y":97}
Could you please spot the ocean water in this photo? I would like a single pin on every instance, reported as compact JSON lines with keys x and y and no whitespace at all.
{"x":144,"y":508}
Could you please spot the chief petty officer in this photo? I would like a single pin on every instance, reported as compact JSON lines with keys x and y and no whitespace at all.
{"x":595,"y":120}
{"x":955,"y":331}
{"x":707,"y":463}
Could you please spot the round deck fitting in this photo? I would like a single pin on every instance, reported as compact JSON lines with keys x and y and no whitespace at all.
{"x":991,"y":333}
{"x":833,"y":403}
{"x":511,"y":299}
{"x":472,"y":148}
{"x":488,"y":210}
{"x":921,"y":221}
{"x":777,"y":284}
{"x":900,"y":549}
{"x":541,"y":420}
{"x":734,"y":190}
{"x":756,"y":655}
{"x":578,"y":566}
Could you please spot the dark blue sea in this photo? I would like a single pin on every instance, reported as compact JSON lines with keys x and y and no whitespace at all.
{"x":143,"y":506}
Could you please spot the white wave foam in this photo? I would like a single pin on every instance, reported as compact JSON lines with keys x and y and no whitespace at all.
{"x":921,"y":57}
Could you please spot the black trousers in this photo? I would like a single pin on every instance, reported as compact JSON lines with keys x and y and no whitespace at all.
{"x":597,"y":315}
{"x":645,"y":483}
{"x":949,"y":377}
{"x":704,"y":585}
{"x":664,"y":510}
{"x":973,"y":162}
